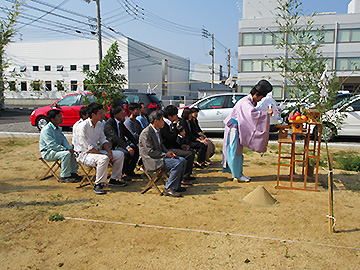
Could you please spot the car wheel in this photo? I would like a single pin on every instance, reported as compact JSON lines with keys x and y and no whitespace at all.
{"x":328,"y":132}
{"x":41,"y":122}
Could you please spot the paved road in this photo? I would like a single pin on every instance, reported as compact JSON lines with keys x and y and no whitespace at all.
{"x":16,"y":123}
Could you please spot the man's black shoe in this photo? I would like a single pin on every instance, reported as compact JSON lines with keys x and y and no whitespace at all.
{"x":181,"y":189}
{"x":68,"y":179}
{"x":76,"y":176}
{"x":171,"y":192}
{"x":114,"y":182}
{"x":98,"y":189}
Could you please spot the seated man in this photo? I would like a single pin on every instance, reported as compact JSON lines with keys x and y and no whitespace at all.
{"x":83,"y":113}
{"x":154,"y":155}
{"x":89,"y":134}
{"x":53,"y":146}
{"x":121,"y":139}
{"x":131,"y":123}
{"x":169,"y":135}
{"x":142,"y":118}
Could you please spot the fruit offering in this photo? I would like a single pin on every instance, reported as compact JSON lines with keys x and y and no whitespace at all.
{"x":297,"y":117}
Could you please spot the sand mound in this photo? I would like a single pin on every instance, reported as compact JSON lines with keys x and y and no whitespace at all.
{"x":259,"y":196}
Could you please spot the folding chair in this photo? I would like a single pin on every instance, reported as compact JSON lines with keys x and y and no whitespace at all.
{"x":52,"y":169}
{"x":90,"y":177}
{"x":158,"y":174}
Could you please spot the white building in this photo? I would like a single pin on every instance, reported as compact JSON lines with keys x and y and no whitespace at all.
{"x":341,"y":45}
{"x":58,"y":65}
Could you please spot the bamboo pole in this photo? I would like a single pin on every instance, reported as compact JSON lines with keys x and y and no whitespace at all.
{"x":331,"y":194}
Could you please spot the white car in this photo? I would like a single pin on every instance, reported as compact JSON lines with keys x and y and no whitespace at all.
{"x":350,"y":109}
{"x":214,"y":109}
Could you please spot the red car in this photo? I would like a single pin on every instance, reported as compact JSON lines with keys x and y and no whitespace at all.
{"x":71,"y":104}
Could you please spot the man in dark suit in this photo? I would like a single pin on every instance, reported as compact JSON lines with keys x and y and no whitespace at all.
{"x":121,"y":139}
{"x":169,"y":135}
{"x":154,"y":155}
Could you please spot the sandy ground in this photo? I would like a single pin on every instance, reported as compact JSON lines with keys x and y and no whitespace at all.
{"x":211,"y":227}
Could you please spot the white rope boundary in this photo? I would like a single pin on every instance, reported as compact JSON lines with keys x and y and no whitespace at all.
{"x":210,"y":232}
{"x":18,"y":229}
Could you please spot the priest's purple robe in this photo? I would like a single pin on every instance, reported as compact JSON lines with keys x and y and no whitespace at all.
{"x":253,"y":127}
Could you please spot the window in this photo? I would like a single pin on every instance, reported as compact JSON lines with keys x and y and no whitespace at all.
{"x":97,"y":66}
{"x":47,"y":68}
{"x":35,"y":85}
{"x":267,"y":65}
{"x":329,"y":36}
{"x":12,"y":86}
{"x":344,"y":36}
{"x":232,"y":99}
{"x":354,"y":63}
{"x":268,"y":39}
{"x":87,"y":98}
{"x":47,"y":85}
{"x":35,"y":68}
{"x":356,"y":105}
{"x":277,"y":92}
{"x":60,"y":85}
{"x":132,"y":98}
{"x":60,"y":68}
{"x":212,"y":103}
{"x":342,"y":64}
{"x":355,"y":35}
{"x":68,"y":101}
{"x":22,"y":68}
{"x":257,"y":39}
{"x":72,"y":67}
{"x":73,"y":85}
{"x":85,"y":82}
{"x":251,"y":65}
{"x":23,"y":86}
{"x":247,"y":39}
{"x":86,"y":67}
{"x":246,"y":89}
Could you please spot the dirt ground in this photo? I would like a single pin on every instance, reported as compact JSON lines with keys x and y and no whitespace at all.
{"x":211,"y":227}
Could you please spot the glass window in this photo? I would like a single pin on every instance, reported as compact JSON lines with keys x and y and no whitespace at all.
{"x":60,"y":85}
{"x":246,"y":65}
{"x":267,"y":65}
{"x":133,"y":98}
{"x":329,"y":62}
{"x":23,"y":86}
{"x":87,"y":98}
{"x":354,"y":63}
{"x":258,"y":39}
{"x":356,"y":105}
{"x":329,"y":36}
{"x":344,"y":36}
{"x":355,"y":35}
{"x":72,"y":67}
{"x":73,"y":85}
{"x":246,"y":89}
{"x":257,"y":65}
{"x":276,"y":65}
{"x":212,"y":103}
{"x":48,"y":85}
{"x":86,"y":67}
{"x":247,"y":39}
{"x":277,"y":92}
{"x":60,"y":68}
{"x":36,"y":85}
{"x":342,"y":64}
{"x":233,"y":99}
{"x":47,"y":68}
{"x":268,"y":39}
{"x":12,"y":86}
{"x":35,"y":68}
{"x":68,"y":101}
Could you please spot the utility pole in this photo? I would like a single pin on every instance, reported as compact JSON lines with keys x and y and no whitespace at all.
{"x":228,"y":62}
{"x":206,"y":34}
{"x":99,"y":30}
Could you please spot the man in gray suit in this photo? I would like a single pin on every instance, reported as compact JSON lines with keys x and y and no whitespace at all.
{"x":154,"y":155}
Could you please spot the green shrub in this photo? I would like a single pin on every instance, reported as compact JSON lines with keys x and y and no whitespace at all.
{"x":56,"y":217}
{"x":348,"y":162}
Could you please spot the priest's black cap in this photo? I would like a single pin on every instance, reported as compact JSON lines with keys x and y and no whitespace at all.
{"x":263,"y":87}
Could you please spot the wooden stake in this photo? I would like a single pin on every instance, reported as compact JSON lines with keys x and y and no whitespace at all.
{"x":331,"y":194}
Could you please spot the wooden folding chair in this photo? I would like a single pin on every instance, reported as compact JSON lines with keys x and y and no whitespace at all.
{"x":89,"y":177}
{"x":51,"y":169}
{"x":158,"y":175}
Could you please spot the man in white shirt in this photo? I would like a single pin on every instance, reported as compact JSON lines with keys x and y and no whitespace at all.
{"x":89,"y":133}
{"x":83,"y":113}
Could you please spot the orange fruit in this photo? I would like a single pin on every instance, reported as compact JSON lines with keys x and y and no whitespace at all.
{"x":303,"y":117}
{"x":298,"y":118}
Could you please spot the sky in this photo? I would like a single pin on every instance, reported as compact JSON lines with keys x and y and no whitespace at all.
{"x":173,"y":26}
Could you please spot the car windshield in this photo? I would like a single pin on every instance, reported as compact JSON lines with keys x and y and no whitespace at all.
{"x":154,"y":98}
{"x":68,"y":101}
{"x":345,"y":101}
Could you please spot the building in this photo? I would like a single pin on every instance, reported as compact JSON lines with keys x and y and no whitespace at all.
{"x":341,"y":45}
{"x":45,"y":71}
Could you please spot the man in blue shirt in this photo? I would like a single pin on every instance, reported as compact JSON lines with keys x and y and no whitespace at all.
{"x":53,"y":145}
{"x":142,"y":118}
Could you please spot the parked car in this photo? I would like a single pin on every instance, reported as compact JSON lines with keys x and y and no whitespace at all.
{"x":214,"y":109}
{"x":350,"y":109}
{"x":290,"y":105}
{"x":71,"y":104}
